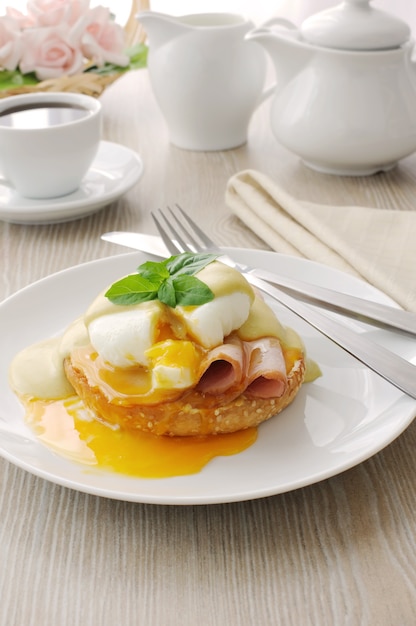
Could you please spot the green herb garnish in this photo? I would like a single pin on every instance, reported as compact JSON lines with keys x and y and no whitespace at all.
{"x":171,"y":281}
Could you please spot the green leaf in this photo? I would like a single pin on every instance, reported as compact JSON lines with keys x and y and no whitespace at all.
{"x":8,"y":80}
{"x":167,"y":293}
{"x":172,"y":281}
{"x":189,"y":263}
{"x":138,"y":56}
{"x":190,"y":291}
{"x":153,"y":271}
{"x":131,"y":290}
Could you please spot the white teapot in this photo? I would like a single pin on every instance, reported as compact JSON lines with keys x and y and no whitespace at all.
{"x":345,"y":100}
{"x":206,"y":78}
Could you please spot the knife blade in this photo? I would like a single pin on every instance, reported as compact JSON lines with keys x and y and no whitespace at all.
{"x":353,"y":306}
{"x":150,"y":244}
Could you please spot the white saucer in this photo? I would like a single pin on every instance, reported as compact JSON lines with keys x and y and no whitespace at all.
{"x":114,"y":171}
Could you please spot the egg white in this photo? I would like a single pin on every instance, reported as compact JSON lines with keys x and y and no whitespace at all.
{"x":123,"y":338}
{"x":209,"y":323}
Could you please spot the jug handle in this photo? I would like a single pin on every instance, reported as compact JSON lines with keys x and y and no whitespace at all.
{"x":279,"y":21}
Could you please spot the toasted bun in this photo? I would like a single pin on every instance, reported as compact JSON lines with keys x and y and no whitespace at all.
{"x":193,"y":414}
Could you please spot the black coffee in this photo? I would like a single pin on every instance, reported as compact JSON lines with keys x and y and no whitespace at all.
{"x":42,"y":115}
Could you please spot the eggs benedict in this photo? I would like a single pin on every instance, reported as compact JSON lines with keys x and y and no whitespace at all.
{"x":182,"y":347}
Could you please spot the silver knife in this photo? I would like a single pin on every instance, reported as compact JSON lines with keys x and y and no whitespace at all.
{"x":364,"y":310}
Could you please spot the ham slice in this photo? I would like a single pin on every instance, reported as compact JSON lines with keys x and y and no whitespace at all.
{"x":256,"y":367}
{"x":266,"y":375}
{"x":223,"y":368}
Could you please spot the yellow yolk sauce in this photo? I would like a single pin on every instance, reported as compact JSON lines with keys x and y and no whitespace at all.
{"x":138,"y":384}
{"x":71,"y":430}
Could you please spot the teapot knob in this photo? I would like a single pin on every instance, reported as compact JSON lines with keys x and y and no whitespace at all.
{"x":355,"y":25}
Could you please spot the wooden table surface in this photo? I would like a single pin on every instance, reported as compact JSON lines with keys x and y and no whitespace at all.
{"x":342,"y":551}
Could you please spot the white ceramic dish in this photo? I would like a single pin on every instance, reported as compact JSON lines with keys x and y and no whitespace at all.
{"x":114,"y":171}
{"x":335,"y":423}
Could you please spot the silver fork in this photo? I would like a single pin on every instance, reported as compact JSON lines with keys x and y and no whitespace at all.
{"x":180,"y":234}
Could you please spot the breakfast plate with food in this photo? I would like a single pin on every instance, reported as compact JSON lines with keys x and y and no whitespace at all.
{"x":174,"y":382}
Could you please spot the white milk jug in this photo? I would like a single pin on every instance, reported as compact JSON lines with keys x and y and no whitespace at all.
{"x":206,"y":78}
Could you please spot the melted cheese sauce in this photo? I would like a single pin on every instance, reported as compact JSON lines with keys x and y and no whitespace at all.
{"x":70,"y":429}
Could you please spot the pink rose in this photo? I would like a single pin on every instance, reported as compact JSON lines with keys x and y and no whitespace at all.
{"x":78,"y":9}
{"x":56,"y":12}
{"x":102,"y":39}
{"x":51,"y":52}
{"x":21,"y":20}
{"x":10,"y":44}
{"x":48,"y":12}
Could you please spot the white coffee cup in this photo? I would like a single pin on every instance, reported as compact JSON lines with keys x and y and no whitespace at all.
{"x":48,"y":142}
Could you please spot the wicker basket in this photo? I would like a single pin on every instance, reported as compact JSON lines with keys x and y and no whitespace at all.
{"x":89,"y":83}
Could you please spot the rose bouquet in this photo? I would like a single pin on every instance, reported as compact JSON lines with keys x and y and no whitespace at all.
{"x":57,"y":39}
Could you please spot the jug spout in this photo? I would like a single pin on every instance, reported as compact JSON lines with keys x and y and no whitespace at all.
{"x":161,"y":28}
{"x":287,"y":52}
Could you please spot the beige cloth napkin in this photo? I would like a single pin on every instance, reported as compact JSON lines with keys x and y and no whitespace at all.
{"x":376,"y":244}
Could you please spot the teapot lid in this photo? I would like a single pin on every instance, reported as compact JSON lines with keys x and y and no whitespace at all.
{"x":355,"y":25}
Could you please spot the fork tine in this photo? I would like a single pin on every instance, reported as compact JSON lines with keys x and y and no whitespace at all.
{"x":169,"y":243}
{"x":174,"y":233}
{"x":191,"y":244}
{"x":203,"y":237}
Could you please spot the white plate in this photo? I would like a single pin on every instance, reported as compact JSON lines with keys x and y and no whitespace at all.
{"x":334,"y":423}
{"x":114,"y":171}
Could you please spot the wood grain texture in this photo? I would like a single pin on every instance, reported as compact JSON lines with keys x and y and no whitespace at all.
{"x":341,"y":552}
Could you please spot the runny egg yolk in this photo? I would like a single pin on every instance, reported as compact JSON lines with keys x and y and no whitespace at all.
{"x":174,"y":364}
{"x":68,"y":428}
{"x":169,"y":365}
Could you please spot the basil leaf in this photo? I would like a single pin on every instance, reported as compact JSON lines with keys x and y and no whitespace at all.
{"x":167,"y":293}
{"x":153,"y":271}
{"x":189,"y":263}
{"x":190,"y":291}
{"x":131,"y":290}
{"x":172,"y":281}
